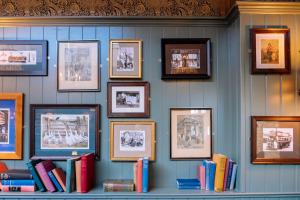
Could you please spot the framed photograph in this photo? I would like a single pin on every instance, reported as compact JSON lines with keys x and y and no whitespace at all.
{"x":11,"y":126}
{"x":131,"y":140}
{"x":191,"y":133}
{"x":128,"y":99}
{"x":23,"y":58}
{"x":275,"y":140}
{"x":78,"y":66}
{"x":58,"y":132}
{"x":186,"y":58}
{"x":270,"y":51}
{"x":125,"y":59}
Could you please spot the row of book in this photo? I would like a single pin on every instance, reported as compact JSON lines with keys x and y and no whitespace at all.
{"x":17,"y":180}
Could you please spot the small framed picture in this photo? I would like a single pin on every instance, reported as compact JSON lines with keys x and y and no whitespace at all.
{"x":275,"y":140}
{"x":128,"y":99}
{"x":23,"y":58}
{"x":186,"y":58}
{"x":78,"y":66}
{"x":125,"y":59}
{"x":191,"y":133}
{"x":58,"y":132}
{"x":131,"y":140}
{"x":11,"y":126}
{"x":270,"y":51}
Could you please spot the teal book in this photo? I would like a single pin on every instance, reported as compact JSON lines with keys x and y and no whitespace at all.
{"x":54,"y":180}
{"x":70,"y":174}
{"x":145,"y":181}
{"x":35,"y":175}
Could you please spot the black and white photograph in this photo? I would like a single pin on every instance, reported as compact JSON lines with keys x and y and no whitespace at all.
{"x":132,"y":140}
{"x":278,"y":139}
{"x":185,"y":59}
{"x":65,"y":131}
{"x":127,"y":99}
{"x":125,"y":59}
{"x":4,"y":126}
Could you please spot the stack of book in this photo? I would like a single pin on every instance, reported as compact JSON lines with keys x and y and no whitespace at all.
{"x":17,"y":180}
{"x":113,"y":185}
{"x":192,"y":183}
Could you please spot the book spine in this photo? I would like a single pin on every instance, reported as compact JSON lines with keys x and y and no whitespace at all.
{"x":70,"y":176}
{"x":60,"y":177}
{"x":140,"y":176}
{"x":18,"y":182}
{"x":226,"y":174}
{"x":78,"y":175}
{"x":229,"y":175}
{"x":233,"y":177}
{"x":207,"y":168}
{"x":54,"y":180}
{"x":36,"y":177}
{"x":18,"y":188}
{"x":145,"y":175}
{"x":181,"y":187}
{"x":202,"y":177}
{"x":111,"y":187}
{"x":212,"y":171}
{"x":135,"y":175}
{"x":84,"y":175}
{"x":44,"y":176}
{"x":15,"y":176}
{"x":220,"y":161}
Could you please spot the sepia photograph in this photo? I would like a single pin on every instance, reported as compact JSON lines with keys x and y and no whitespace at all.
{"x":132,"y":140}
{"x":4,"y":126}
{"x":269,"y":51}
{"x":15,"y":57}
{"x":278,"y":139}
{"x":127,"y":99}
{"x":125,"y":59}
{"x":185,"y":60}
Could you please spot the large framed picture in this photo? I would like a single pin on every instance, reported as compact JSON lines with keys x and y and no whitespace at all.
{"x":128,"y":99}
{"x":270,"y":51}
{"x":78,"y":66}
{"x":131,"y":140}
{"x":58,"y":132}
{"x":275,"y":140}
{"x":125,"y":59}
{"x":23,"y":58}
{"x":186,"y":58}
{"x":191,"y":133}
{"x":11,"y":126}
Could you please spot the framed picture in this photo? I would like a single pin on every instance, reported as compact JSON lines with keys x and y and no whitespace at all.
{"x":275,"y":140}
{"x":11,"y":126}
{"x":131,"y":140}
{"x":128,"y":99}
{"x":125,"y":59}
{"x":186,"y":58}
{"x":270,"y":51}
{"x":58,"y":132}
{"x":78,"y":66}
{"x":191,"y":133}
{"x":23,"y":58}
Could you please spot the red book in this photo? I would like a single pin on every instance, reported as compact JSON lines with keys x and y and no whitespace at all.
{"x":43,"y":168}
{"x":87,"y":172}
{"x":139,"y":173}
{"x":226,"y":174}
{"x":61,"y":177}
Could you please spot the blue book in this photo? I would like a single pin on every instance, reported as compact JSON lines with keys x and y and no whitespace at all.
{"x":145,"y":175}
{"x":191,"y":187}
{"x":229,"y":174}
{"x":187,"y":182}
{"x":70,"y":174}
{"x":212,"y":172}
{"x":233,"y":177}
{"x":18,"y":182}
{"x":54,"y":180}
{"x":35,"y":175}
{"x":206,"y":163}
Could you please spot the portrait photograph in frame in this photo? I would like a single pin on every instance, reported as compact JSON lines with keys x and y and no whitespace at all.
{"x":78,"y":66}
{"x":11,"y":126}
{"x":185,"y":58}
{"x":128,"y":99}
{"x":131,"y":140}
{"x":60,"y":131}
{"x":191,"y":133}
{"x":275,"y":139}
{"x":23,"y":58}
{"x":125,"y":59}
{"x":270,"y":51}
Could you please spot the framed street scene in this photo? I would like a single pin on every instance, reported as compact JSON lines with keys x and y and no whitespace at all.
{"x":78,"y":66}
{"x":270,"y":51}
{"x":125,"y":59}
{"x":23,"y":58}
{"x":131,"y":140}
{"x":191,"y":133}
{"x":11,"y":126}
{"x":61,"y":131}
{"x":275,"y":140}
{"x":186,"y":58}
{"x":128,"y":99}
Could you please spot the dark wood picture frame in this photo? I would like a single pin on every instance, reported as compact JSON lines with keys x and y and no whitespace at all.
{"x":287,"y":57}
{"x":146,"y":102}
{"x":96,"y":108}
{"x":269,"y":153}
{"x":203,"y":71}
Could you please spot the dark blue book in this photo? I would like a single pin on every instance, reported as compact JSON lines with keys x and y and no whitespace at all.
{"x":212,"y":173}
{"x":187,"y":182}
{"x":35,"y":175}
{"x":188,"y":187}
{"x":55,"y":181}
{"x":18,"y":182}
{"x":145,"y":175}
{"x":229,"y":174}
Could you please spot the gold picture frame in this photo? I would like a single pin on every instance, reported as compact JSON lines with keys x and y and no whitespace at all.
{"x":11,"y":125}
{"x":123,"y":61}
{"x":131,"y":140}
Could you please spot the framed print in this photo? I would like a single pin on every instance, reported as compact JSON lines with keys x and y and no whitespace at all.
{"x":131,"y":140}
{"x":11,"y":126}
{"x":128,"y":99}
{"x":78,"y":66}
{"x":275,"y":140}
{"x":191,"y":133}
{"x":125,"y":59}
{"x":186,"y":58}
{"x":58,"y":132}
{"x":270,"y":51}
{"x":23,"y":58}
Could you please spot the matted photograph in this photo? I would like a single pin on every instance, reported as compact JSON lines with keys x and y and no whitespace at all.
{"x":278,"y":139}
{"x":4,"y":125}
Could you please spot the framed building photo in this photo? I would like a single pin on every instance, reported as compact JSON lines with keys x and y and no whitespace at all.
{"x":78,"y":66}
{"x":125,"y":59}
{"x":270,"y":51}
{"x":58,"y":132}
{"x":191,"y":133}
{"x":128,"y":99}
{"x":186,"y":58}
{"x":11,"y":126}
{"x":275,"y":140}
{"x":23,"y":58}
{"x":131,"y":140}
